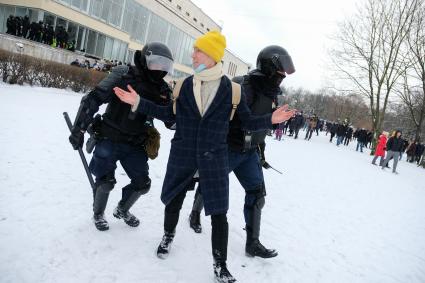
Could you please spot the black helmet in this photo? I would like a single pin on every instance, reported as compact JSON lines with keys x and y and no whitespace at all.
{"x":274,"y":58}
{"x":155,"y":59}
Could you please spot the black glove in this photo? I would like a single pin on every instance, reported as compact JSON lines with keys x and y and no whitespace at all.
{"x":76,"y":138}
{"x":265,"y":164}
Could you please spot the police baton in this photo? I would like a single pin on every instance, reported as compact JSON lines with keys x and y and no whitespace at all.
{"x":80,"y":151}
{"x":268,"y":166}
{"x":275,"y":169}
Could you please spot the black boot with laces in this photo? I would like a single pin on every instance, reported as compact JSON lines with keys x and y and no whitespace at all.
{"x":128,"y":218}
{"x":222,"y":274}
{"x":165,"y":245}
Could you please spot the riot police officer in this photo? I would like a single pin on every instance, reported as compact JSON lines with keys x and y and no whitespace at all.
{"x":121,"y":134}
{"x":261,"y":87}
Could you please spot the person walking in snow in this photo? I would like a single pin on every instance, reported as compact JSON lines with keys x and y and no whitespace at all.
{"x":246,"y":148}
{"x":199,"y":147}
{"x":348,"y":136}
{"x":341,"y":130}
{"x":312,"y":123}
{"x":380,"y":148}
{"x":298,"y":123}
{"x":121,"y":134}
{"x":394,"y":147}
{"x":411,"y":151}
{"x":361,"y":139}
{"x":278,"y":132}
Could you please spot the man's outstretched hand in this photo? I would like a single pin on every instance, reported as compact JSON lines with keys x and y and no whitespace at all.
{"x":129,"y":97}
{"x":282,"y":114}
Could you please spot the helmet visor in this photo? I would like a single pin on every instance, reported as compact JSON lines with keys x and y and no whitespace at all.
{"x":283,"y":63}
{"x":159,"y":63}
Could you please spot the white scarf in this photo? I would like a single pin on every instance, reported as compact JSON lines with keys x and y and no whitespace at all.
{"x":208,"y":75}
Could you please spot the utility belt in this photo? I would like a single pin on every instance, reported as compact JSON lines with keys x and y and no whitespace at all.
{"x":99,"y":130}
{"x":251,"y":140}
{"x":117,"y":136}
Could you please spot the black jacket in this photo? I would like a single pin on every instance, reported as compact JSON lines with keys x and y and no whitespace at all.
{"x":119,"y":124}
{"x":395,"y":144}
{"x":260,"y":99}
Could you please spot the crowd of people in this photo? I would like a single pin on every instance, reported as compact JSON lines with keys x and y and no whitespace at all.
{"x":40,"y":32}
{"x":387,"y":148}
{"x":59,"y":37}
{"x":102,"y":65}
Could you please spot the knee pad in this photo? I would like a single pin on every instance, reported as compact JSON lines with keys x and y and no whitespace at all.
{"x":106,"y":183}
{"x":260,"y":202}
{"x":255,"y":198}
{"x":142,"y":185}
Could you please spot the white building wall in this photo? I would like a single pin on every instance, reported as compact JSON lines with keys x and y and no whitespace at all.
{"x":167,"y":9}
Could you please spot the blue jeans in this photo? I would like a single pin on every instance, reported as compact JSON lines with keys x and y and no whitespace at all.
{"x":361,"y":145}
{"x":249,"y":172}
{"x":339,"y":140}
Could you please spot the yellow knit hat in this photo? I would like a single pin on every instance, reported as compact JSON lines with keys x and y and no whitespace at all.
{"x":213,"y":44}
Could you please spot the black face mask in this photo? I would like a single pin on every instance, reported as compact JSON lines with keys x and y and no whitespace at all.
{"x":275,"y":80}
{"x":156,"y":76}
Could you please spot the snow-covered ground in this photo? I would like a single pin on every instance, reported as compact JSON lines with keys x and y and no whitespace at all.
{"x":332,"y":215}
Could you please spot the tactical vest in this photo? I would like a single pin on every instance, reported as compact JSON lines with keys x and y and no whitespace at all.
{"x":119,"y":123}
{"x":259,"y":104}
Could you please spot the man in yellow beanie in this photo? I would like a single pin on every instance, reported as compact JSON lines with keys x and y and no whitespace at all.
{"x":199,"y":147}
{"x":246,"y":148}
{"x":213,"y":44}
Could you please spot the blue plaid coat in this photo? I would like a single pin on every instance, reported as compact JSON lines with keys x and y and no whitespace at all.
{"x":200,"y":143}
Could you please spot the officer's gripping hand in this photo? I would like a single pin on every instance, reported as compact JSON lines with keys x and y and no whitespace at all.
{"x":265,"y":164}
{"x":76,"y":138}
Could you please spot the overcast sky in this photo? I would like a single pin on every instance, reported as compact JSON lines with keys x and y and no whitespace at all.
{"x":302,"y":27}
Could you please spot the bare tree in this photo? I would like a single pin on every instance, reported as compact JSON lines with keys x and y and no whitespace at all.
{"x":368,"y":51}
{"x":329,"y":105}
{"x":412,"y":91}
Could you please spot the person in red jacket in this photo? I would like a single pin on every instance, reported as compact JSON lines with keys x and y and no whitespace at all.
{"x":380,"y":148}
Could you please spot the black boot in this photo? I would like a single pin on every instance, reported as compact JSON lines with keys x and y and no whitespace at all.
{"x":130,"y":194}
{"x":100,"y":222}
{"x":128,"y":218}
{"x":165,"y":245}
{"x":99,"y":205}
{"x":219,"y":240}
{"x":254,"y":247}
{"x":222,"y":274}
{"x":195,"y":221}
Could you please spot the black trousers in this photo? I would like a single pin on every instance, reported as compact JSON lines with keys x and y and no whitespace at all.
{"x":219,"y":225}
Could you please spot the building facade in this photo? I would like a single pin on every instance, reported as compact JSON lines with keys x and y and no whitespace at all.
{"x":114,"y":29}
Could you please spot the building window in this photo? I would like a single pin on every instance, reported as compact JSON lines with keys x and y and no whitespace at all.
{"x":187,"y":14}
{"x":231,"y":69}
{"x":179,"y":7}
{"x":158,"y":29}
{"x":202,"y":25}
{"x":96,"y":8}
{"x":208,"y":29}
{"x":49,"y":19}
{"x":91,"y":42}
{"x":195,"y":20}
